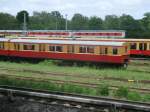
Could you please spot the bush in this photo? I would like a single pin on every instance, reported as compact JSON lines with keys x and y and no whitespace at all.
{"x":134,"y":96}
{"x":46,"y":62}
{"x":146,"y":98}
{"x":122,"y":92}
{"x":103,"y":90}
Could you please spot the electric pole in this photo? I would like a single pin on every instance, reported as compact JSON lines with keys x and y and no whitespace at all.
{"x":56,"y":20}
{"x":24,"y":25}
{"x":66,"y":23}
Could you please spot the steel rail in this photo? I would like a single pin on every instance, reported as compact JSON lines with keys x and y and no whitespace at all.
{"x":79,"y":76}
{"x":78,"y":83}
{"x":97,"y":101}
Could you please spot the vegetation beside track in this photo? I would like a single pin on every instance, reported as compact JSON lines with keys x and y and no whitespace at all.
{"x":84,"y":74}
{"x":131,"y":73}
{"x":103,"y":90}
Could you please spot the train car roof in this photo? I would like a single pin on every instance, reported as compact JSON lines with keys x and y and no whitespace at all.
{"x":119,"y":40}
{"x":88,"y":39}
{"x":71,"y":42}
{"x":132,"y":39}
{"x":63,"y":31}
{"x":4,"y":39}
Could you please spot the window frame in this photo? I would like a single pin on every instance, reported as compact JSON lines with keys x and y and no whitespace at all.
{"x":2,"y":46}
{"x":55,"y":48}
{"x":115,"y":51}
{"x":103,"y":50}
{"x":17,"y":46}
{"x":87,"y":49}
{"x":70,"y":48}
{"x":145,"y":46}
{"x":31,"y":45}
{"x":60,"y":48}
{"x":133,"y":47}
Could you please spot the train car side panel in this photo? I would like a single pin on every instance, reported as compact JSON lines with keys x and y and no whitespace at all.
{"x":66,"y":56}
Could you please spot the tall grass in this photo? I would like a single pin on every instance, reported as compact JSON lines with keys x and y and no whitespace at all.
{"x":83,"y":70}
{"x":103,"y":90}
{"x":54,"y":66}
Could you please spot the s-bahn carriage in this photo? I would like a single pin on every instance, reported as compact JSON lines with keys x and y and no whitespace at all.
{"x":11,"y":32}
{"x":99,"y":34}
{"x":68,"y":33}
{"x":90,"y":51}
{"x":137,"y":47}
{"x":48,"y":33}
{"x":4,"y":46}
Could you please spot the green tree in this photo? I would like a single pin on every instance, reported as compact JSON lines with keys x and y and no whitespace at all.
{"x":146,"y":21}
{"x":111,"y":22}
{"x":95,"y":23}
{"x":79,"y":22}
{"x":56,"y":14}
{"x":129,"y":24}
{"x":42,"y":21}
{"x":7,"y":22}
{"x":47,"y":21}
{"x":20,"y":16}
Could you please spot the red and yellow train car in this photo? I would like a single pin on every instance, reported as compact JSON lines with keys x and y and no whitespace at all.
{"x":4,"y":46}
{"x":137,"y":47}
{"x":90,"y":51}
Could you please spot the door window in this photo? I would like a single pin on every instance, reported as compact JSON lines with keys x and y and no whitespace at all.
{"x":28,"y":47}
{"x":133,"y":46}
{"x":115,"y":51}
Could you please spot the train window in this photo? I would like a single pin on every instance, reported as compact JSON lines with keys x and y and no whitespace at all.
{"x":115,"y":51}
{"x":133,"y":46}
{"x":86,"y":49}
{"x":17,"y":47}
{"x":51,"y":48}
{"x":103,"y":50}
{"x":140,"y":46}
{"x":145,"y":46}
{"x":41,"y":47}
{"x":59,"y":48}
{"x":126,"y":49}
{"x":70,"y":49}
{"x":1,"y":45}
{"x":106,"y":50}
{"x":90,"y":49}
{"x":82,"y":49}
{"x":55,"y":48}
{"x":28,"y":47}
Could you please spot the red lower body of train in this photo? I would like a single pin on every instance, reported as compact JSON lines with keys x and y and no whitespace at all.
{"x":140,"y":52}
{"x":67,"y":56}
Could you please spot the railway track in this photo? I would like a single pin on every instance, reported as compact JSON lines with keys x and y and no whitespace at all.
{"x":79,"y":76}
{"x":140,"y":61}
{"x":148,"y":59}
{"x":88,"y":101}
{"x":77,"y":83}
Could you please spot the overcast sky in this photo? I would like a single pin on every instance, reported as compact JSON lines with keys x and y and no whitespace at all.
{"x":100,"y":8}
